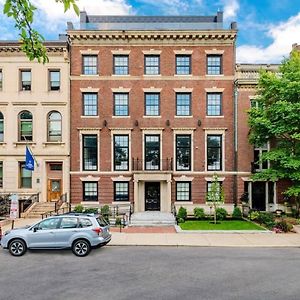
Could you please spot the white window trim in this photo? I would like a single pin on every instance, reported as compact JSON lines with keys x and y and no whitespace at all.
{"x":120,"y":52}
{"x":183,"y":178}
{"x":261,"y":149}
{"x":89,"y":52}
{"x":121,"y":178}
{"x":89,"y":178}
{"x":120,"y":131}
{"x":214,"y":51}
{"x":183,"y":89}
{"x":183,"y":52}
{"x":89,"y":90}
{"x":214,"y":90}
{"x":153,"y":132}
{"x":89,"y":132}
{"x":183,"y":132}
{"x":121,"y":90}
{"x":215,"y":132}
{"x":151,"y":52}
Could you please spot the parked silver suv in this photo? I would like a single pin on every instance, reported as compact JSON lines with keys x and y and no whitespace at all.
{"x":79,"y":232}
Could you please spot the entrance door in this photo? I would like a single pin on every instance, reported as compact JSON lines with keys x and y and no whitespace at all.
{"x":54,"y":189}
{"x":259,"y":195}
{"x":152,"y":196}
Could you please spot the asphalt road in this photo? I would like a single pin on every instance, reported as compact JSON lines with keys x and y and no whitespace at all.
{"x":117,"y":273}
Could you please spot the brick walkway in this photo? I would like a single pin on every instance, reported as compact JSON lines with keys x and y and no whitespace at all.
{"x":164,"y":229}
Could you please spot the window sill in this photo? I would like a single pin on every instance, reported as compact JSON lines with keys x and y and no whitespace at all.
{"x":90,"y":75}
{"x":89,"y":202}
{"x":89,"y":117}
{"x":23,"y":143}
{"x":120,"y":202}
{"x":184,"y":202}
{"x":214,"y":117}
{"x":214,"y":75}
{"x":120,"y":117}
{"x":152,"y":117}
{"x":53,"y":143}
{"x":183,"y":75}
{"x":152,"y":75}
{"x":183,"y":117}
{"x":120,"y":75}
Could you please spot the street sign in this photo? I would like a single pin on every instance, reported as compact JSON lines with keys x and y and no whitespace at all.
{"x":14,"y":206}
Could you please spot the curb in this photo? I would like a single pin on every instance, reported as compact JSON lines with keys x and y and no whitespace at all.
{"x":202,"y":246}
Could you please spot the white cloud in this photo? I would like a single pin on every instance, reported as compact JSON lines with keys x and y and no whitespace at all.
{"x":283,"y":35}
{"x":230,"y":9}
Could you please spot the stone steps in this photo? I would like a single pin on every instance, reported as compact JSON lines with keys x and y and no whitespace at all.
{"x":152,"y":219}
{"x":38,"y":209}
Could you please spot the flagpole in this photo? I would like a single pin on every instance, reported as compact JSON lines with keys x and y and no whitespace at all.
{"x":27,"y":145}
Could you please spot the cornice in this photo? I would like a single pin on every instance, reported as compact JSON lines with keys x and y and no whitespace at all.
{"x":15,"y":48}
{"x":189,"y":37}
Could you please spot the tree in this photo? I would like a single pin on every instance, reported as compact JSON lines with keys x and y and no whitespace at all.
{"x":277,"y":120}
{"x":215,"y":195}
{"x":22,"y":11}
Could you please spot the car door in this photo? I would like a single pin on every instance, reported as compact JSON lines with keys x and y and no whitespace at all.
{"x":42,"y":235}
{"x":68,"y":227}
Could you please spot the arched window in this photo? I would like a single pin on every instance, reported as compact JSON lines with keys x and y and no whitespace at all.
{"x":54,"y":126}
{"x":25,"y":126}
{"x":1,"y":127}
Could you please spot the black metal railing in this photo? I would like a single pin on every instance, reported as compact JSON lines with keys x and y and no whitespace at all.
{"x":152,"y":165}
{"x":63,"y":199}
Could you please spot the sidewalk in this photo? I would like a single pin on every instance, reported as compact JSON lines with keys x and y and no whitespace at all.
{"x":168,"y":237}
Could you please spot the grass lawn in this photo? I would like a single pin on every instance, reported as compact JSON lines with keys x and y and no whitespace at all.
{"x":223,"y":225}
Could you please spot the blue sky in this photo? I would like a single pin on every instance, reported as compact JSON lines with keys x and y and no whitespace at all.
{"x":267,"y":28}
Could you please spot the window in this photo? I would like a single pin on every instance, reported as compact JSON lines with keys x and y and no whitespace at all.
{"x":90,"y":191}
{"x":25,"y":126}
{"x":208,"y":189}
{"x":121,"y":191}
{"x":152,"y":104}
{"x":214,"y":64}
{"x":121,"y":152}
{"x":25,"y":177}
{"x":83,"y":223}
{"x":1,"y":80}
{"x":183,"y":191}
{"x":121,"y":64}
{"x":258,"y":152}
{"x":1,"y":127}
{"x":54,"y":76}
{"x":90,"y":104}
{"x":90,"y":153}
{"x":54,"y":126}
{"x":121,"y":104}
{"x":214,"y":152}
{"x":68,"y":223}
{"x":152,"y":152}
{"x":49,"y":224}
{"x":183,"y":104}
{"x":90,"y":64}
{"x":183,"y":64}
{"x":152,"y":65}
{"x":56,"y":166}
{"x":26,"y":80}
{"x":183,"y":152}
{"x":214,"y":104}
{"x":1,"y":174}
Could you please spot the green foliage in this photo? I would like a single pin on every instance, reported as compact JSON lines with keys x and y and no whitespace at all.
{"x":118,"y":222}
{"x":78,"y":208}
{"x":199,"y":213}
{"x":181,"y":220}
{"x":221,"y":213}
{"x":91,"y":210}
{"x":283,"y":225}
{"x":105,"y":212}
{"x":182,"y":213}
{"x":237,"y":213}
{"x":254,"y":215}
{"x":266,"y":218}
{"x":277,"y":120}
{"x":22,"y":12}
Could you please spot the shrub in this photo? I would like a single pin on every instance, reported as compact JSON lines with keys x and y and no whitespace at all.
{"x":180,"y":220}
{"x":182,"y":213}
{"x":199,"y":213}
{"x":105,"y":212}
{"x":254,"y":215}
{"x":237,"y":213}
{"x":91,"y":210}
{"x":221,"y":213}
{"x":266,"y":218}
{"x":284,"y":226}
{"x":78,"y":208}
{"x":118,"y":222}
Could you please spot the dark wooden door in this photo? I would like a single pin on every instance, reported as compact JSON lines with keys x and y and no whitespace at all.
{"x":152,"y":196}
{"x":259,"y":195}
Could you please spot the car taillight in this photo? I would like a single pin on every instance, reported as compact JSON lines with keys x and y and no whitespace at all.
{"x":98,"y":230}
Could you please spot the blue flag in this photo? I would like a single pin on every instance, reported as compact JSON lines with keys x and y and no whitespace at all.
{"x":29,"y":164}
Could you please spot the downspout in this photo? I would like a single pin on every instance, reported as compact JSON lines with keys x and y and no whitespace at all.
{"x":235,"y":145}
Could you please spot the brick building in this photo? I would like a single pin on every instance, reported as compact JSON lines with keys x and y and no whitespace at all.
{"x":34,"y":111}
{"x":152,"y":106}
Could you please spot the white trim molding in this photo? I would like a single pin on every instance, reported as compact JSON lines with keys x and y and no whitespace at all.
{"x":214,"y":90}
{"x":183,"y":89}
{"x":89,"y":90}
{"x":120,"y":89}
{"x":120,"y":52}
{"x":211,"y":179}
{"x":89,"y":178}
{"x":214,"y":51}
{"x":152,"y":52}
{"x":183,"y":52}
{"x":152,"y":90}
{"x":89,"y":52}
{"x":121,"y":178}
{"x":183,"y":178}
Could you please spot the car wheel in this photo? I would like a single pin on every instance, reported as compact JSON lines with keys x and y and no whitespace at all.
{"x":17,"y":247}
{"x":81,"y":248}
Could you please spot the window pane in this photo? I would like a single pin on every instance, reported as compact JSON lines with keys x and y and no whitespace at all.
{"x":68,"y":223}
{"x":183,"y":191}
{"x":214,"y":104}
{"x":25,"y":177}
{"x":214,"y":64}
{"x":214,"y":154}
{"x":90,"y":153}
{"x":90,"y":65}
{"x":54,"y":126}
{"x":152,"y":65}
{"x":90,"y":104}
{"x":54,"y":80}
{"x":183,"y":104}
{"x":121,"y":104}
{"x":90,"y":191}
{"x":121,"y":152}
{"x":152,"y":104}
{"x":121,"y":191}
{"x":183,"y":64}
{"x":121,"y":64}
{"x":26,"y":80}
{"x":152,"y":152}
{"x":183,"y":152}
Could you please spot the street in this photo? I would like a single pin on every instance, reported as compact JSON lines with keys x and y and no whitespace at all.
{"x":119,"y":273}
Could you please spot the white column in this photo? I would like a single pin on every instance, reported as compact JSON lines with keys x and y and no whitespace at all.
{"x":136,"y":195}
{"x":169,"y":195}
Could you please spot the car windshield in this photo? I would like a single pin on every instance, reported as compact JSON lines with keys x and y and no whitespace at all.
{"x":101,"y":221}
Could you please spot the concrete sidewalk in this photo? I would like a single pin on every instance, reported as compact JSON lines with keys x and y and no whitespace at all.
{"x":193,"y":239}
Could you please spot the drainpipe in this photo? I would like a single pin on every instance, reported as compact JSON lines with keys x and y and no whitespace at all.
{"x":235,"y":144}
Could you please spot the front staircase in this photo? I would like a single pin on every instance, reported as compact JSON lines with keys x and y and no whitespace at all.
{"x":37,"y":209}
{"x":152,"y":218}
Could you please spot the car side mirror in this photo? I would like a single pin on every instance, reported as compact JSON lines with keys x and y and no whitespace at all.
{"x":35,"y":229}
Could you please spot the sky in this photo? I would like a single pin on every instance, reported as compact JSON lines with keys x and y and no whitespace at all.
{"x":267,"y":28}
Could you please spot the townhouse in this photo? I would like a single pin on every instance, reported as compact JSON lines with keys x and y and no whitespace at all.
{"x":152,"y":107}
{"x":34,"y":111}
